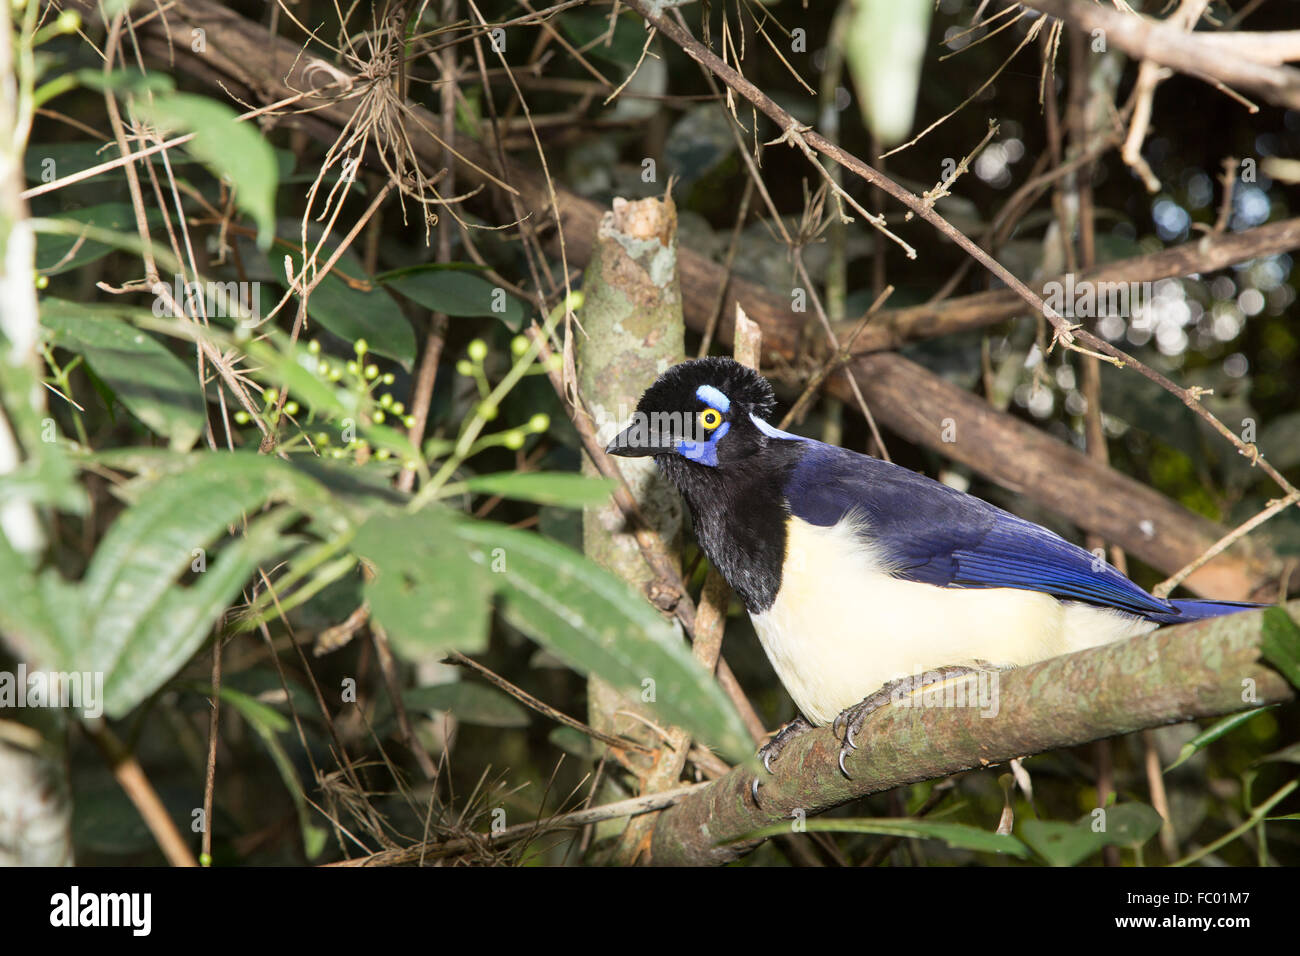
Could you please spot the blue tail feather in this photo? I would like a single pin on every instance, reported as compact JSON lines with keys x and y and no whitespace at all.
{"x":1191,"y":609}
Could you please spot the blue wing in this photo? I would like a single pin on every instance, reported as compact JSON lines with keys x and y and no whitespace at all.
{"x":934,"y":534}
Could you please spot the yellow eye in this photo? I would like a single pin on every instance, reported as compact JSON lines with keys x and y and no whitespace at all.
{"x":710,"y":418}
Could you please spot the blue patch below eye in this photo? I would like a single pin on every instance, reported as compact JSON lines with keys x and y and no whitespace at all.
{"x":704,"y":452}
{"x":713,"y":398}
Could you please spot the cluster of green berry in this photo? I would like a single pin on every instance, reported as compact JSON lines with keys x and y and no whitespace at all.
{"x":472,"y":367}
{"x":361,"y":377}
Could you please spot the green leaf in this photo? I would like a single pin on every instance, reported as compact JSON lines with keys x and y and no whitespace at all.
{"x":425,"y":592}
{"x":599,"y":625}
{"x":56,"y":253}
{"x":183,"y":617}
{"x":457,"y":292}
{"x":153,"y":384}
{"x":585,"y":27}
{"x":26,"y":621}
{"x":236,"y":151}
{"x":470,"y":702}
{"x":1065,"y":844}
{"x":353,"y":314}
{"x":1220,"y":728}
{"x":959,"y":836}
{"x":140,"y":625}
{"x":885,"y":49}
{"x":1280,"y":646}
{"x":564,"y":489}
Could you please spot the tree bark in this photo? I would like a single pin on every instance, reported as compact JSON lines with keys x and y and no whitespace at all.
{"x":1205,"y":669}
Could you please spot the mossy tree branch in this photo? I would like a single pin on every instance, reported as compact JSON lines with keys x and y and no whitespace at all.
{"x":1175,"y":674}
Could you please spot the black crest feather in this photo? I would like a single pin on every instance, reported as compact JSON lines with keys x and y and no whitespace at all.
{"x":675,"y":389}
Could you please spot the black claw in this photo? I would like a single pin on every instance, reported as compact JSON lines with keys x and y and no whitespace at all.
{"x":753,"y":789}
{"x":773,"y":748}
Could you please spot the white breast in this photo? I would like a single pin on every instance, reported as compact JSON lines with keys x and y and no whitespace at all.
{"x":841,"y":626}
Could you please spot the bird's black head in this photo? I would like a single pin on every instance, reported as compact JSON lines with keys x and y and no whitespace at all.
{"x":706,"y":413}
{"x":705,"y":423}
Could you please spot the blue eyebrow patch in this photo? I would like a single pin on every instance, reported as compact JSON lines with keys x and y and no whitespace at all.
{"x":713,"y":398}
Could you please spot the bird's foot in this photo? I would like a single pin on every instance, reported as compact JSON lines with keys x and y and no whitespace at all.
{"x":852,"y":718}
{"x":772,"y":749}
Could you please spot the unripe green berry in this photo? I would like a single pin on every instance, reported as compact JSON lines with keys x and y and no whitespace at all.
{"x":477,"y":350}
{"x":514,"y":439}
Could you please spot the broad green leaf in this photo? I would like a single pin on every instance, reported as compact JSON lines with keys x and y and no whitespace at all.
{"x":1220,"y":728}
{"x":236,"y":151}
{"x":56,"y":252}
{"x":353,"y":314}
{"x":586,"y":27}
{"x":1065,"y":844}
{"x":133,"y":607}
{"x":884,"y":49}
{"x":26,"y":621}
{"x":469,"y":702}
{"x":457,"y":292}
{"x":154,"y":385}
{"x":565,"y":489}
{"x":959,"y":836}
{"x":599,"y":625}
{"x":1280,"y":646}
{"x":48,"y":478}
{"x":425,"y":592}
{"x":183,"y":616}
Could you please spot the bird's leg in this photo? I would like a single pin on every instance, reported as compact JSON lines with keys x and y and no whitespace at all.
{"x":772,"y":749}
{"x":852,"y":718}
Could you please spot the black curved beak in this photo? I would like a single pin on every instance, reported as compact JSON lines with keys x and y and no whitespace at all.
{"x":638,"y":440}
